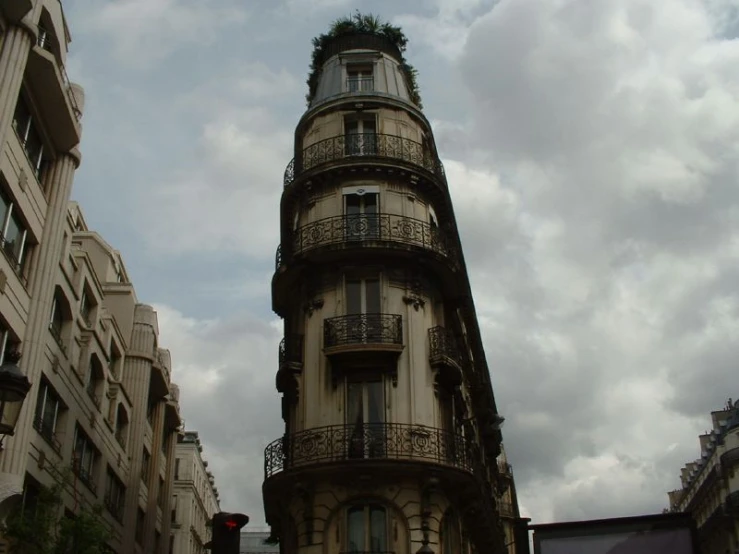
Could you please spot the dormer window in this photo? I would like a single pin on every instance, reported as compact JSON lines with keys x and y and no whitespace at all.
{"x":360,"y":78}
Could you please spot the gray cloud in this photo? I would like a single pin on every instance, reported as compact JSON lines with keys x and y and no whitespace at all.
{"x":592,"y":159}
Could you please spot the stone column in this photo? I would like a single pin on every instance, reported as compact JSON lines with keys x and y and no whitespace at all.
{"x":168,"y":488}
{"x":136,"y":378}
{"x":156,"y":460}
{"x":17,"y":43}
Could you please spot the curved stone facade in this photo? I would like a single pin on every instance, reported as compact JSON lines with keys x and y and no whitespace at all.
{"x":391,"y":433}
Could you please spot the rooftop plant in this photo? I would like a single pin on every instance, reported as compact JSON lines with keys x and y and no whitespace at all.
{"x":359,"y":23}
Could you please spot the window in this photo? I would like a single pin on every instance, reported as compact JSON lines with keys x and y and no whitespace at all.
{"x":145,"y":463}
{"x":115,"y":360}
{"x":27,"y":129}
{"x":160,"y":493}
{"x":86,"y":308}
{"x":360,"y":78}
{"x":115,"y":494}
{"x":362,"y":217}
{"x":84,"y":457}
{"x":363,"y":308}
{"x":367,"y":528}
{"x":60,"y":315}
{"x":14,"y":234}
{"x":173,"y":512}
{"x":95,"y":384}
{"x":360,"y":137}
{"x":30,"y":498}
{"x":46,"y":418}
{"x":121,"y":426}
{"x":451,"y":542}
{"x":365,"y":417}
{"x":432,"y":219}
{"x":140,"y":521}
{"x":8,"y":342}
{"x":363,"y":296}
{"x":177,"y":468}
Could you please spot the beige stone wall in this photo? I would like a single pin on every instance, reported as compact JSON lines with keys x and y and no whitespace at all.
{"x":102,"y":378}
{"x":195,"y":498}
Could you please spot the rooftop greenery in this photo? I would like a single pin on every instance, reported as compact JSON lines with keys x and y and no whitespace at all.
{"x":359,"y":23}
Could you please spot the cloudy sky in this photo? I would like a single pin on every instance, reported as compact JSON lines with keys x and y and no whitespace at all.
{"x":592,"y":149}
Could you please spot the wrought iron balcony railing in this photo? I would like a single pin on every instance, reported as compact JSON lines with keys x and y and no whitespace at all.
{"x":443,"y":344}
{"x":369,"y":441}
{"x":363,"y":329}
{"x":291,"y":349}
{"x":367,"y":230}
{"x":365,"y":145}
{"x":84,"y":475}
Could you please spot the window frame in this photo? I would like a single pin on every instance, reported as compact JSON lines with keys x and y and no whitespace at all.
{"x":360,"y":77}
{"x":16,"y":254}
{"x":367,"y":509}
{"x":27,"y":128}
{"x":84,"y":463}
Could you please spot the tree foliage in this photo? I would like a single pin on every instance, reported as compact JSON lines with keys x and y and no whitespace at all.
{"x":359,"y":23}
{"x":39,"y":528}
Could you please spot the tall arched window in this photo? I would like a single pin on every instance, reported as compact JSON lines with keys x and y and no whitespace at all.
{"x":451,"y":542}
{"x":367,"y":528}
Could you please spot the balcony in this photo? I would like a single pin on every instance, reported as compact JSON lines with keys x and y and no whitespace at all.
{"x":363,"y":332}
{"x":365,"y":147}
{"x":57,"y":103}
{"x":365,"y":443}
{"x":15,"y":10}
{"x":445,"y":357}
{"x":371,"y":231}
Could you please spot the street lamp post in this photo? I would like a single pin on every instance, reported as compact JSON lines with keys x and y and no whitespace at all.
{"x":14,"y":387}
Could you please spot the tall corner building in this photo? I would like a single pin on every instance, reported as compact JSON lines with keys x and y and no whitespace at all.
{"x":392,"y":437}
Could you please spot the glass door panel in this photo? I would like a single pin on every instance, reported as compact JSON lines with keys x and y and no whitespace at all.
{"x":362,"y":219}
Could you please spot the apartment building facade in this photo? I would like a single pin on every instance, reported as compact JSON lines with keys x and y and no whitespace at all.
{"x":195,"y":496}
{"x":392,"y":437}
{"x":40,"y":112}
{"x":104,"y":404}
{"x":710,"y":485}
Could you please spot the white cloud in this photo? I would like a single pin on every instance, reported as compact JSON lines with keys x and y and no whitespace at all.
{"x":225,"y":370}
{"x":593,"y":171}
{"x":145,"y":32}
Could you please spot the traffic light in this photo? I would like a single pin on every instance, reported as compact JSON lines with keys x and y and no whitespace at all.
{"x":226,"y":533}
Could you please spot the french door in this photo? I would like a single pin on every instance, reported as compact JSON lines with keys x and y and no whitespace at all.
{"x":365,"y":413}
{"x":360,"y":137}
{"x":362,"y":217}
{"x":363,"y":306}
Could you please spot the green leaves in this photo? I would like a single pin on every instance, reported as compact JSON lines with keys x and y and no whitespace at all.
{"x":359,"y":23}
{"x":39,"y":527}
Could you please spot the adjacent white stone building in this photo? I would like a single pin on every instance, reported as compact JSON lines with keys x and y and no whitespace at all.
{"x":710,"y":485}
{"x":195,"y":497}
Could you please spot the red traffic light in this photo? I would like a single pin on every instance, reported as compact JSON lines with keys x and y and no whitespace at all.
{"x":231,"y":522}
